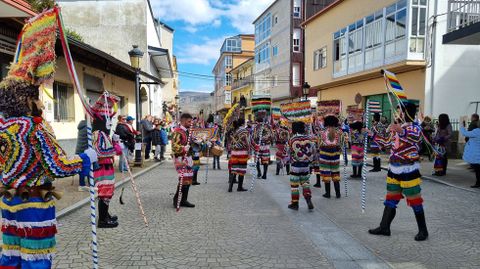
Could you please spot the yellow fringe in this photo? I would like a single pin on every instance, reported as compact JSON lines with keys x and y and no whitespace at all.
{"x":16,"y":208}
{"x":404,"y":184}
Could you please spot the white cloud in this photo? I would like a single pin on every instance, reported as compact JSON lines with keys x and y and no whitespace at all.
{"x":239,"y":13}
{"x":205,"y":53}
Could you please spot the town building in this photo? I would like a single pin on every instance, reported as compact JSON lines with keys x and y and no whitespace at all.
{"x":279,"y":51}
{"x":347,"y":44}
{"x":234,"y":51}
{"x":170,"y":89}
{"x":113,"y":27}
{"x":242,"y":86}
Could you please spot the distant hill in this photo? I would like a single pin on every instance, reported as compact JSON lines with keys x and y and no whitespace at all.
{"x":193,"y":102}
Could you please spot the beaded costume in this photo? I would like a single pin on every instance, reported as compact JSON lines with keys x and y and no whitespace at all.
{"x":240,"y":145}
{"x":357,"y":142}
{"x":261,"y":140}
{"x":282,"y":156}
{"x":329,"y":154}
{"x":302,"y":150}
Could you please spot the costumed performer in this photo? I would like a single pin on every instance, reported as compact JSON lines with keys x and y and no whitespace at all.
{"x":262,"y":137}
{"x":329,"y":154}
{"x":240,"y":145}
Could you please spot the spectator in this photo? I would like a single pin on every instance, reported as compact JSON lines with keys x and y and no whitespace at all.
{"x":82,"y":145}
{"x":157,"y":140}
{"x":471,"y":153}
{"x":474,"y":122}
{"x":146,"y":126}
{"x":442,"y":145}
{"x":427,"y":129}
{"x":127,"y":138}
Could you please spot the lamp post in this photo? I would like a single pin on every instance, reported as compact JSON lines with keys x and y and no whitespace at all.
{"x":177,"y":103}
{"x":135,"y":57}
{"x":306,"y":90}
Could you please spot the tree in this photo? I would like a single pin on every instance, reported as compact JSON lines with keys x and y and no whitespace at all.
{"x":41,"y":5}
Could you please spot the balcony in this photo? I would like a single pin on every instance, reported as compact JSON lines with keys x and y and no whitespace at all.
{"x":243,"y":82}
{"x":463,"y":22}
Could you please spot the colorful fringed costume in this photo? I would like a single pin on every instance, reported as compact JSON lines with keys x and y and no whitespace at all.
{"x":104,"y":177}
{"x":240,"y":144}
{"x":262,"y":137}
{"x":183,"y":158}
{"x":374,"y":149}
{"x":357,"y":142}
{"x":403,"y":174}
{"x":329,"y":154}
{"x":282,"y":156}
{"x":302,"y":150}
{"x":315,"y":164}
{"x":30,"y":160}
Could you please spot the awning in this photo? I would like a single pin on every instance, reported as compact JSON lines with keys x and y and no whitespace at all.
{"x":161,"y":59}
{"x":15,"y":9}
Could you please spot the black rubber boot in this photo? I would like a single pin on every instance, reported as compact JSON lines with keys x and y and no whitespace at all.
{"x":354,"y":175}
{"x":103,"y":221}
{"x":184,"y":202}
{"x":293,"y":206}
{"x":259,"y":172}
{"x":240,"y":184}
{"x":327,"y":190}
{"x":422,"y":227}
{"x":375,"y":165}
{"x":112,"y":217}
{"x":309,"y":203}
{"x":278,"y":169}
{"x":265,"y":170}
{"x":387,"y":218}
{"x":195,"y":179}
{"x":214,"y":163}
{"x":379,"y":164}
{"x":359,"y":171}
{"x":287,"y":168}
{"x":336,"y":186}
{"x":317,"y":185}
{"x":230,"y":182}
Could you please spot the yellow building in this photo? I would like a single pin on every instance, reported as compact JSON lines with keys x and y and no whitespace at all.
{"x":347,"y":44}
{"x":235,"y":50}
{"x":242,"y":86}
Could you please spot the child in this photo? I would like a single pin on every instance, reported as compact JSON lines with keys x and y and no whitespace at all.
{"x":157,"y":141}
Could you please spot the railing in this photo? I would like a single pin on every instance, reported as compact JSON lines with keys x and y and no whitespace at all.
{"x":462,"y":13}
{"x":248,"y":80}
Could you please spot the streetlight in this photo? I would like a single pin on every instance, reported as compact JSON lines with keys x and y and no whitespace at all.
{"x":306,"y":90}
{"x":135,"y":57}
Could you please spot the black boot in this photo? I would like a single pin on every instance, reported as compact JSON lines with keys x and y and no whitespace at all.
{"x":230,"y":182}
{"x":318,"y":185}
{"x":293,"y":205}
{"x":359,"y":171}
{"x":240,"y":184}
{"x":103,"y":221}
{"x":259,"y":172}
{"x":477,"y":174}
{"x":354,"y":175}
{"x":195,"y":178}
{"x":287,"y":168}
{"x":112,"y":217}
{"x":185,"y":202}
{"x":422,"y":227}
{"x":309,"y":203}
{"x":387,"y":218}
{"x":218,"y":164}
{"x":278,"y":169}
{"x":327,"y":190}
{"x":379,"y":165}
{"x":214,"y":163}
{"x":374,"y":169}
{"x":336,"y":186}
{"x":265,"y":169}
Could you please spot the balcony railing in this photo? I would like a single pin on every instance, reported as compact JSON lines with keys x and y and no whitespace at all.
{"x":462,"y":13}
{"x":239,"y":83}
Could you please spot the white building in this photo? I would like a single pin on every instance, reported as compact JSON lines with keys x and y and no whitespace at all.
{"x":113,"y":27}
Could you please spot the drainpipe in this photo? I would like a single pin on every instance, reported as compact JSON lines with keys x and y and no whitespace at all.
{"x":432,"y":60}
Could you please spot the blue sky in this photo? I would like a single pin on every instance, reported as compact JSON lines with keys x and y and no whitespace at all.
{"x":200,"y":27}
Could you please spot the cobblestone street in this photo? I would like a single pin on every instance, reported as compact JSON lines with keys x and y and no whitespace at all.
{"x":256,"y":230}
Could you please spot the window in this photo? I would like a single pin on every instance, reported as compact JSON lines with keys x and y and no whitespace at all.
{"x":228,"y":79}
{"x":296,"y":39}
{"x":275,"y":50}
{"x":296,"y":74}
{"x":396,"y":16}
{"x":263,"y":29}
{"x":320,"y":58}
{"x":340,"y":51}
{"x":418,"y":17}
{"x":374,"y":39}
{"x":64,"y":109}
{"x":228,"y":61}
{"x":296,"y":8}
{"x":232,"y":45}
{"x":262,"y":53}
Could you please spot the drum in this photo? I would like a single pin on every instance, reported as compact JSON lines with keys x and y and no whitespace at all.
{"x":216,"y":151}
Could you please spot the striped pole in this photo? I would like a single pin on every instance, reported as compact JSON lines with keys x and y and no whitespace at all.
{"x":206,"y":169}
{"x":364,"y":167}
{"x":345,"y":162}
{"x":135,"y":190}
{"x":93,"y":211}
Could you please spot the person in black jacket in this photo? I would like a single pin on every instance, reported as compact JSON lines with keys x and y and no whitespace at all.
{"x":128,"y":140}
